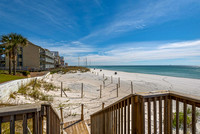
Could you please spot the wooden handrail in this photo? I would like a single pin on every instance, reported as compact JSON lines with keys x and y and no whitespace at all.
{"x":128,"y":115}
{"x":35,"y":111}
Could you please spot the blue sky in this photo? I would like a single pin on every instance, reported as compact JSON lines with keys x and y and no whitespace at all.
{"x":109,"y":32}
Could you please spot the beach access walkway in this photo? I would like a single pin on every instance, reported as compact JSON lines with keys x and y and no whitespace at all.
{"x":140,"y":113}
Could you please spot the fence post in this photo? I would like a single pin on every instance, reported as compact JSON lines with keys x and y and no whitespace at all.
{"x":81,"y":90}
{"x":104,"y":84}
{"x":117,"y":89}
{"x":131,"y":87}
{"x":103,"y":76}
{"x":111,"y":79}
{"x":82,"y":116}
{"x":61,"y":114}
{"x":100,"y":90}
{"x":119,"y":81}
{"x":103,"y":105}
{"x":61,"y":89}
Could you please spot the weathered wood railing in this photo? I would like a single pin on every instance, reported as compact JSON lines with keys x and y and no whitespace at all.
{"x":41,"y":115}
{"x":142,"y":113}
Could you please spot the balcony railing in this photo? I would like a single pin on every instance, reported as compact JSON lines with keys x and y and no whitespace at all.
{"x":155,"y":112}
{"x":2,"y":58}
{"x":38,"y":113}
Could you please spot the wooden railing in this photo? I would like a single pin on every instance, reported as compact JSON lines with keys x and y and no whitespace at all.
{"x":154,"y":112}
{"x":40,"y":115}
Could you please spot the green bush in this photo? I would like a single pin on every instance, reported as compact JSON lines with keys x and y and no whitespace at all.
{"x":25,"y":73}
{"x":181,"y":118}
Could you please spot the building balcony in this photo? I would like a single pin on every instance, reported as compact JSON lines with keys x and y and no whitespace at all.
{"x":2,"y":58}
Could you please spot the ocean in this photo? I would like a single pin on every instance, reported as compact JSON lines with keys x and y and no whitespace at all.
{"x":168,"y":70}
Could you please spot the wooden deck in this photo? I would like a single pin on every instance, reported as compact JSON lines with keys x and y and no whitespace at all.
{"x":76,"y":127}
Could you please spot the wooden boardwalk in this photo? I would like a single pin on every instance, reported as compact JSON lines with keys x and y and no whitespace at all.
{"x":76,"y":127}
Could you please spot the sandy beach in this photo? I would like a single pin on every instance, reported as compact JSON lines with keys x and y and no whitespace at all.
{"x":91,"y":88}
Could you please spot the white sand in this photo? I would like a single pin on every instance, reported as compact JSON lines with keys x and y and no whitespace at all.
{"x":91,"y":100}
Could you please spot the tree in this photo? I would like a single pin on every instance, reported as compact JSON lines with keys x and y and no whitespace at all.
{"x":17,"y":40}
{"x":6,"y":48}
{"x":11,"y":43}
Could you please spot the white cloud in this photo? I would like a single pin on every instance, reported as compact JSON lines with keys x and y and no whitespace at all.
{"x":181,"y":44}
{"x":126,"y":55}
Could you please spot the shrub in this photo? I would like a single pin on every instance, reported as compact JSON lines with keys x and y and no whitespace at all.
{"x":25,"y":73}
{"x":70,"y":69}
{"x":181,"y":118}
{"x":13,"y":95}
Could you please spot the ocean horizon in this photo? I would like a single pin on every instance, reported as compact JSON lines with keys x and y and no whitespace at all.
{"x":184,"y":71}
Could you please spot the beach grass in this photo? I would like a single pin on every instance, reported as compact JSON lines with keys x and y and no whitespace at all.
{"x":70,"y":69}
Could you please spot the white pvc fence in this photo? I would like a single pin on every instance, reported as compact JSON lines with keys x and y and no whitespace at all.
{"x":12,"y":86}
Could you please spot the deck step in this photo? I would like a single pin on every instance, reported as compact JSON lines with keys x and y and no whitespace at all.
{"x":76,"y":127}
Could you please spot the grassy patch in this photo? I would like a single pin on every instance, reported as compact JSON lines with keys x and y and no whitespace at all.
{"x":7,"y":77}
{"x":18,"y":127}
{"x":70,"y":69}
{"x":33,"y":90}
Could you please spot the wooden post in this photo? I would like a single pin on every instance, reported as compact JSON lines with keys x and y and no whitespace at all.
{"x":98,"y":74}
{"x":131,"y":87}
{"x":104,"y":84}
{"x":100,"y":90}
{"x":48,"y":119}
{"x":117,"y":89}
{"x":103,"y":76}
{"x":111,"y":79}
{"x":119,"y":81}
{"x":82,"y":116}
{"x":61,"y":114}
{"x":61,"y":89}
{"x":12,"y":124}
{"x":25,"y":124}
{"x":103,"y":105}
{"x":81,"y":90}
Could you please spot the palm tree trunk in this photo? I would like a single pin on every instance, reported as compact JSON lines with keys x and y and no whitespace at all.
{"x":14,"y":60}
{"x":10,"y":62}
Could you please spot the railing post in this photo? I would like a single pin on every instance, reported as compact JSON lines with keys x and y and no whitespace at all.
{"x":48,"y":119}
{"x":25,"y":124}
{"x":103,"y":105}
{"x":61,"y":114}
{"x":103,"y":76}
{"x":111,"y":79}
{"x":138,"y":116}
{"x":12,"y":124}
{"x":82,"y":115}
{"x":0,"y":123}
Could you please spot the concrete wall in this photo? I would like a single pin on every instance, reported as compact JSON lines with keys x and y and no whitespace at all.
{"x":12,"y":86}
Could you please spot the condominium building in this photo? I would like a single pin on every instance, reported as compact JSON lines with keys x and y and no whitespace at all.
{"x":31,"y":57}
{"x":56,"y":58}
{"x":62,"y":61}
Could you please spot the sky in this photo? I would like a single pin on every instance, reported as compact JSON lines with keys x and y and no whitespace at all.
{"x":109,"y":32}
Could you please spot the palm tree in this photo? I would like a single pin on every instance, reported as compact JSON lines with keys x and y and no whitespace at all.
{"x":17,"y":40}
{"x":7,"y":49}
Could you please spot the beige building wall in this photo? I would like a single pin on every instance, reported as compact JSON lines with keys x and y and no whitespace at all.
{"x":31,"y":56}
